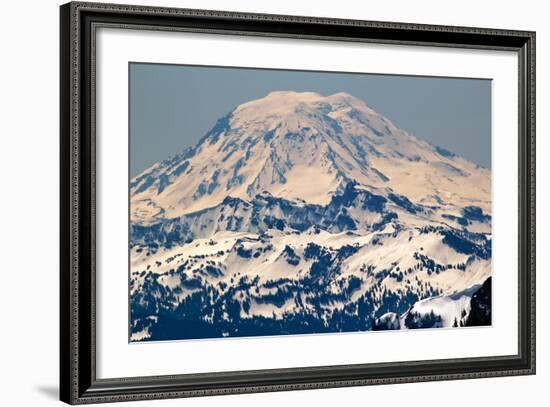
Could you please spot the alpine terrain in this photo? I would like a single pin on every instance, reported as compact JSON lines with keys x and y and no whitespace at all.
{"x":301,"y":213}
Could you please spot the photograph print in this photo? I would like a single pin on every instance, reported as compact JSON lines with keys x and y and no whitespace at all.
{"x":269,"y":202}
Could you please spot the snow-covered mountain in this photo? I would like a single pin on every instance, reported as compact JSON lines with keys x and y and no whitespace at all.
{"x":301,"y":213}
{"x":305,"y":146}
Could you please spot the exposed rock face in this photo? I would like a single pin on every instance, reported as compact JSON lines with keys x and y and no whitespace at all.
{"x":480,"y":313}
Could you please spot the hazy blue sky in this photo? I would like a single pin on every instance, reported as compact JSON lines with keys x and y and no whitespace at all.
{"x":172,"y":106}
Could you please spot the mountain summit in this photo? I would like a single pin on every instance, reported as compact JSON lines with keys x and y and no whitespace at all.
{"x":304,"y":147}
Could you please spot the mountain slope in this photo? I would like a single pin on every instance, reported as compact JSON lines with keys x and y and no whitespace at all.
{"x":469,"y":307}
{"x":304,"y":146}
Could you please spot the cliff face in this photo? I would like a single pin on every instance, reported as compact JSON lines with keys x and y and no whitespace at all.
{"x":480,"y":313}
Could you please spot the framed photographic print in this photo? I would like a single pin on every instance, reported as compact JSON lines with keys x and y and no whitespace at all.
{"x":256,"y":203}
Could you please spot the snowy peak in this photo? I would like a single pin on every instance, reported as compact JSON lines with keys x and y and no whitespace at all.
{"x":304,"y":146}
{"x":276,"y":102}
{"x":292,"y":111}
{"x":285,"y":103}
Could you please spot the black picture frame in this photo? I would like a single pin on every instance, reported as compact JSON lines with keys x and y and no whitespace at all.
{"x":78,"y":382}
